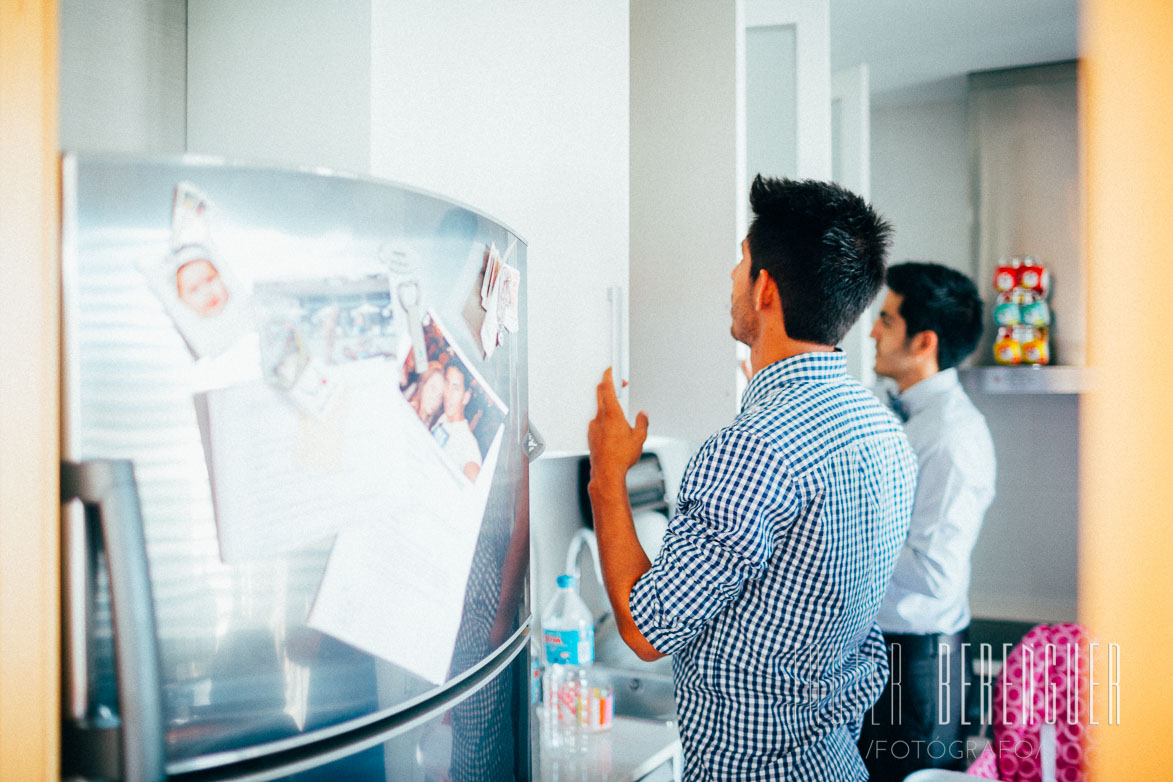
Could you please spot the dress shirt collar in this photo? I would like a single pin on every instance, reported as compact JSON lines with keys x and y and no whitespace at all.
{"x":818,"y":366}
{"x":917,"y":397}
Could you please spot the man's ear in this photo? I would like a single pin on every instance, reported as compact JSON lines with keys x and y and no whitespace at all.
{"x":765,"y":291}
{"x":924,"y":344}
{"x":467,"y":396}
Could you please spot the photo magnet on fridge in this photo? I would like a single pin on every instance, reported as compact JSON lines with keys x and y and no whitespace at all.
{"x":307,"y":328}
{"x":198,"y":288}
{"x":452,"y":401}
{"x":205,"y":300}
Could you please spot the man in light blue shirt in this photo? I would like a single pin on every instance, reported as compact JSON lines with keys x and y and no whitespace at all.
{"x":788,"y":521}
{"x":930,"y":320}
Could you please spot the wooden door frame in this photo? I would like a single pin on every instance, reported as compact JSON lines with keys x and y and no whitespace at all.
{"x":29,"y":390}
{"x":1126,"y":455}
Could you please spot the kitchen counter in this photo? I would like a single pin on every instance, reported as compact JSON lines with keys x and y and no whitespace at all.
{"x":634,"y":749}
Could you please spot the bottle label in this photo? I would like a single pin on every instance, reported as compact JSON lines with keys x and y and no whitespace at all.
{"x":569,"y":647}
{"x":535,"y":680}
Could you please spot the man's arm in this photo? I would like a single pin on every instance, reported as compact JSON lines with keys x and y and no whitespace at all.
{"x":615,"y":446}
{"x":951,"y":500}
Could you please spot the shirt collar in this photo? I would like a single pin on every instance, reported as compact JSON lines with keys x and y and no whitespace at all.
{"x":819,"y":366}
{"x":917,"y":397}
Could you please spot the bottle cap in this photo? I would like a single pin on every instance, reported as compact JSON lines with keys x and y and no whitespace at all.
{"x":565,"y":580}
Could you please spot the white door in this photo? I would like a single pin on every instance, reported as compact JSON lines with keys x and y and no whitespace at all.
{"x":788,"y":88}
{"x":851,"y":167}
{"x":787,"y":94}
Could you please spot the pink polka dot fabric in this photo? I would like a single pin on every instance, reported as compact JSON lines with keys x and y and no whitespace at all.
{"x":1044,"y":680}
{"x":986,"y":766}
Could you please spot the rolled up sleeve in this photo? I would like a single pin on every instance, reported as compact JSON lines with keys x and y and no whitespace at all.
{"x":734,"y":498}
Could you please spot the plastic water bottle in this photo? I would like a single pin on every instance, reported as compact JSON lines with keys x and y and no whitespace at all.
{"x":568,"y":634}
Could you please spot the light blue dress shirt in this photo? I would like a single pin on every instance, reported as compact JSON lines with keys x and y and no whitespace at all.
{"x":929,"y":590}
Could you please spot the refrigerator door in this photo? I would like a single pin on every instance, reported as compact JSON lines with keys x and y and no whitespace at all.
{"x":478,"y":733}
{"x":242,"y":673}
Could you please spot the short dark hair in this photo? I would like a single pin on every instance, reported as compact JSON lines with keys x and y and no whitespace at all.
{"x":454,"y":363}
{"x":824,"y":247}
{"x":942,"y":300}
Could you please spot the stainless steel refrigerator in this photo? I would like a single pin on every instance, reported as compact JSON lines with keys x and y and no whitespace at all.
{"x":233,"y":483}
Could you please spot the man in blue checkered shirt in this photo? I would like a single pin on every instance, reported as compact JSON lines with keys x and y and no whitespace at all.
{"x":788,"y":520}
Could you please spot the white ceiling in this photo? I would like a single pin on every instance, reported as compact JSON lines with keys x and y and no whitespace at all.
{"x":920,"y":50}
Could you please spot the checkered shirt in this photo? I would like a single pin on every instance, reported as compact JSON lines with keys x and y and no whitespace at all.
{"x":787,"y":527}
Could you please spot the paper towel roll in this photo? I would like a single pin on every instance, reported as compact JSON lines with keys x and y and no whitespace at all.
{"x":650,"y":527}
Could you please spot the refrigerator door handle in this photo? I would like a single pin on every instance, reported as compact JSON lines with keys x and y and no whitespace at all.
{"x":108,"y":487}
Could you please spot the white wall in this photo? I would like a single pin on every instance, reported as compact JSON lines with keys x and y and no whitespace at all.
{"x":687,"y":211}
{"x":281,"y":81}
{"x":1024,"y":565}
{"x":521,"y":109}
{"x":920,"y":180}
{"x":123,"y":68}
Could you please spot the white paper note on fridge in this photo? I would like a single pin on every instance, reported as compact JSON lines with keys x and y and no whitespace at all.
{"x":282,"y":478}
{"x":395,"y":589}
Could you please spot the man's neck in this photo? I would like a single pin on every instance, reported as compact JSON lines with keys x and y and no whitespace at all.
{"x":764,"y":353}
{"x":452,"y":419}
{"x":914,"y":376}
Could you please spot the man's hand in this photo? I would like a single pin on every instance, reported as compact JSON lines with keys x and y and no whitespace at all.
{"x":615,"y":445}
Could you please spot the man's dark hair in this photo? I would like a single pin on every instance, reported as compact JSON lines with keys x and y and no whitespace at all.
{"x":454,"y":363}
{"x":824,"y":247}
{"x":942,"y":300}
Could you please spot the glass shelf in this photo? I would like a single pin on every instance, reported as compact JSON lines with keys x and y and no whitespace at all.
{"x":1028,"y":379}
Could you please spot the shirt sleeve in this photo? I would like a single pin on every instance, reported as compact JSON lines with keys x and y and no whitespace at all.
{"x":733,"y":497}
{"x":951,"y":499}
